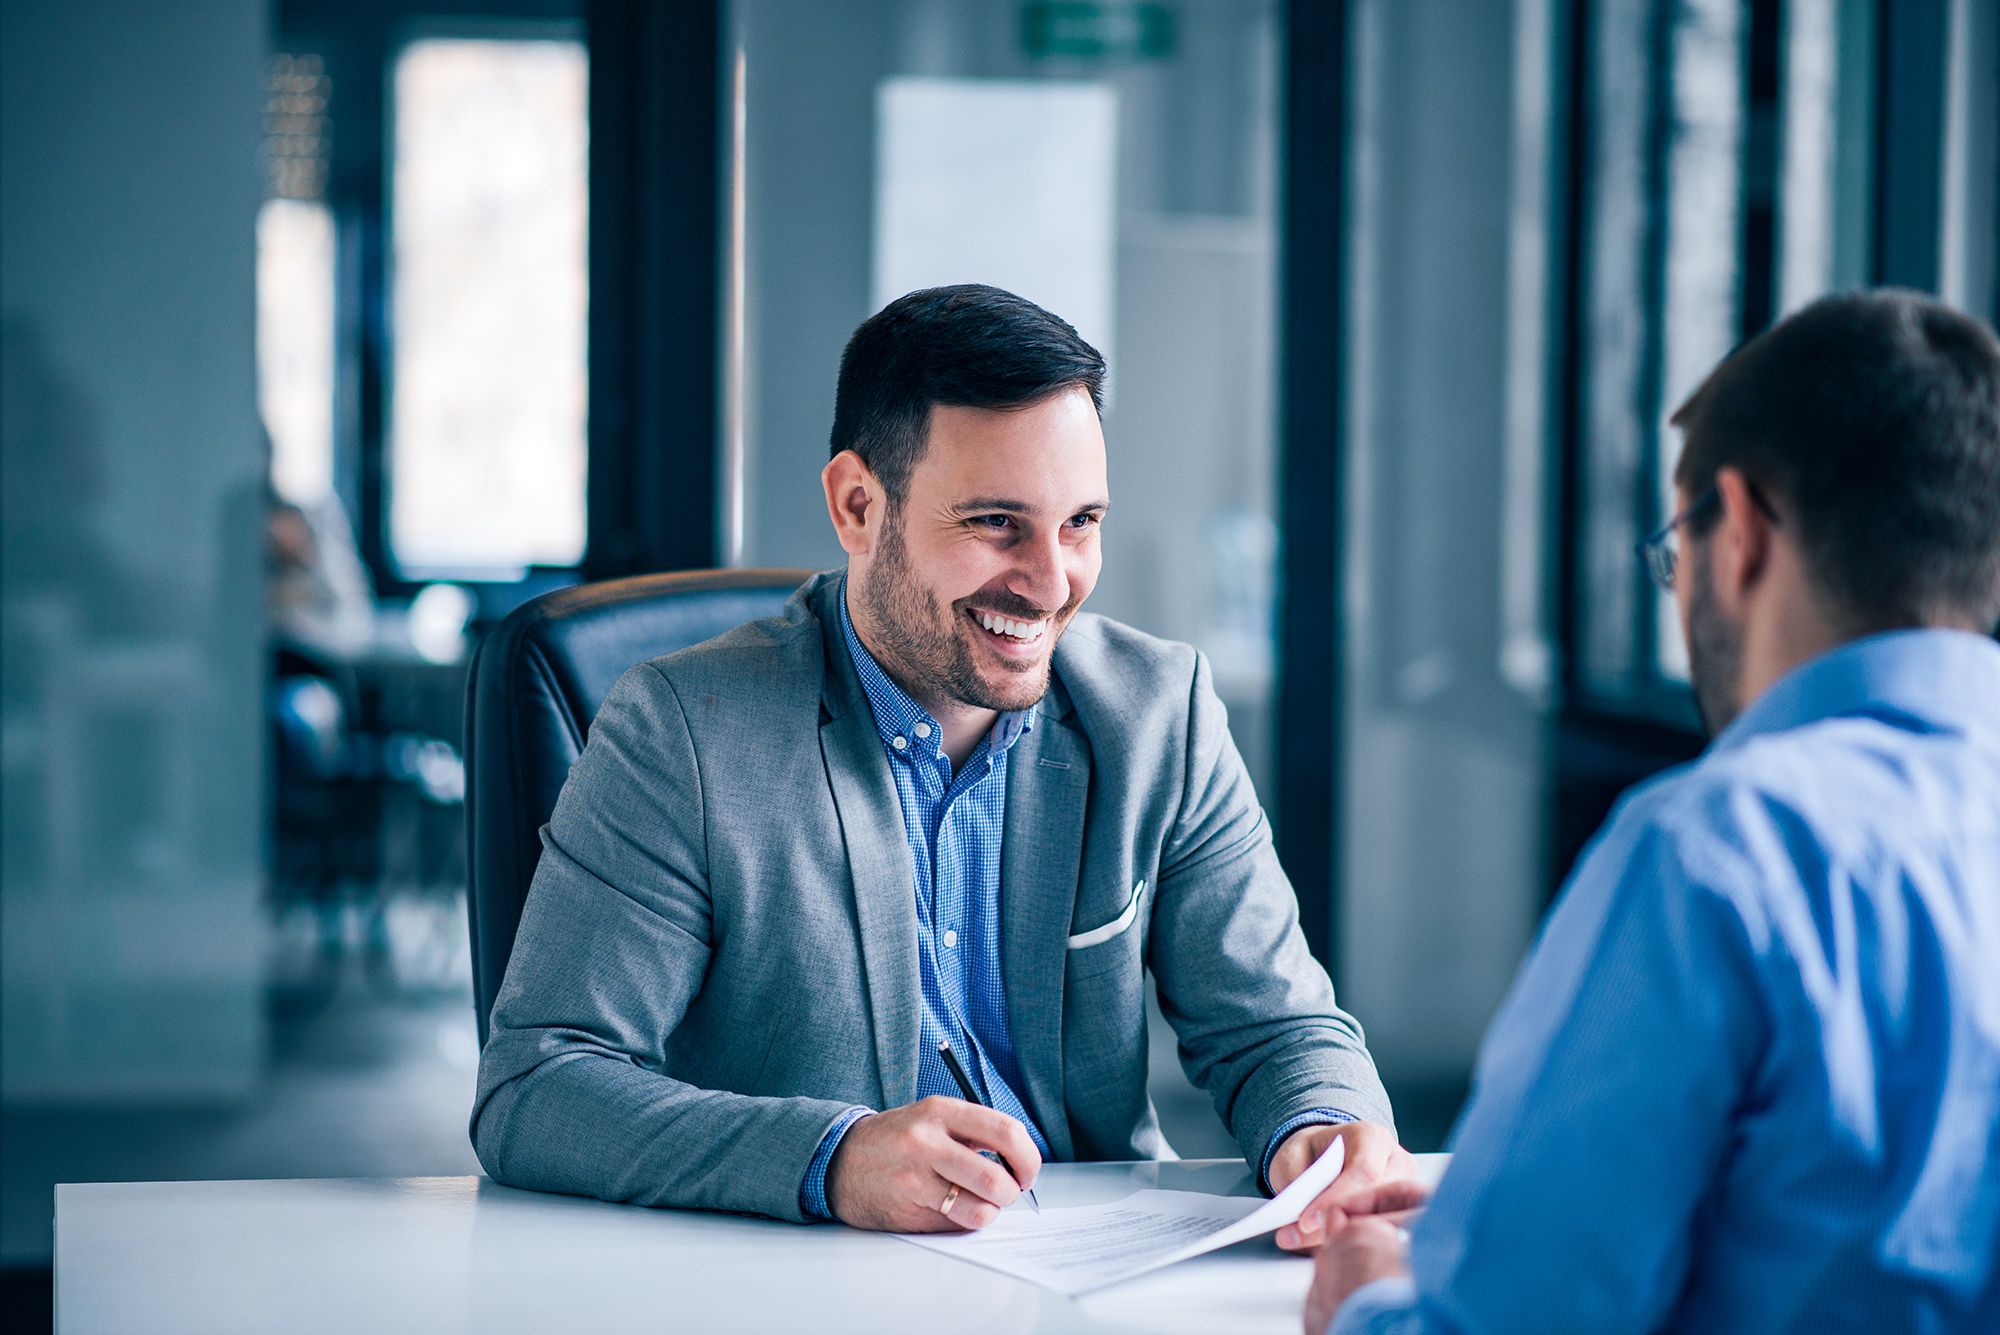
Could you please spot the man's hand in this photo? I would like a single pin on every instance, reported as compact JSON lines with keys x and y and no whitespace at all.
{"x":894,"y":1169}
{"x":1372,"y":1158}
{"x":1366,"y":1248}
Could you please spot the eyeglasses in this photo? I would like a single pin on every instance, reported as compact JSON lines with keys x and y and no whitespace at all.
{"x":1661,"y":552}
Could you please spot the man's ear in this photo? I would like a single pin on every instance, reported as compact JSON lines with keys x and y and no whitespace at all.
{"x":855,"y":501}
{"x":1741,"y":541}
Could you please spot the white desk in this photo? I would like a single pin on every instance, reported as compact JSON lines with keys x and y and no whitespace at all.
{"x":444,"y":1254}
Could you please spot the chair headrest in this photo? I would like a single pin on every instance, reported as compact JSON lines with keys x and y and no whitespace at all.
{"x":536,"y":683}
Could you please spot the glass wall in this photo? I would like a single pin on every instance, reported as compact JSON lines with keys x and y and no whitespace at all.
{"x":132,"y":948}
{"x":1453,"y":262}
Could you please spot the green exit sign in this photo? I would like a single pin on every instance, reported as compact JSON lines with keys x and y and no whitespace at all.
{"x":1077,"y":28}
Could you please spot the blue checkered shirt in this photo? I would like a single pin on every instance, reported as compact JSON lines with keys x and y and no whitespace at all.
{"x":952,"y":823}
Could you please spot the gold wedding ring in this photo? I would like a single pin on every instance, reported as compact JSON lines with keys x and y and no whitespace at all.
{"x":950,"y":1199}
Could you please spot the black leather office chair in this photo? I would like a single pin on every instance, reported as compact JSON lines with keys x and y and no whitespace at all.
{"x":536,"y":683}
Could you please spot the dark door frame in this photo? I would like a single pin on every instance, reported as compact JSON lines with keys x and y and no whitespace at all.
{"x":1311,"y":452}
{"x":658,"y":247}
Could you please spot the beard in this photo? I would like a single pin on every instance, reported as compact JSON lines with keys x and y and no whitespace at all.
{"x":1715,"y":653}
{"x":928,"y":648}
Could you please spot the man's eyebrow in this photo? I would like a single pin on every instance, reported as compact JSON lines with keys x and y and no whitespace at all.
{"x":1005,"y":505}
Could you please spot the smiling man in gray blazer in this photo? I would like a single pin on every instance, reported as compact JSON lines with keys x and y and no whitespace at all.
{"x":930,"y":805}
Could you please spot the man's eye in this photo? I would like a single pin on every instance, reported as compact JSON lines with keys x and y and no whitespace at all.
{"x":995,"y":522}
{"x":1084,"y":520}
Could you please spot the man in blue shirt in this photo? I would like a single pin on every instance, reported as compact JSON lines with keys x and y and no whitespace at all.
{"x":1749,"y":1079}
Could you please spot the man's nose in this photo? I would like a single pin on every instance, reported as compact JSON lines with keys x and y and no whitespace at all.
{"x":1041,"y":574}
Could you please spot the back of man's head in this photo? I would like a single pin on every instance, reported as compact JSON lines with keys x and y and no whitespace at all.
{"x":969,"y":346}
{"x":1873,"y":418}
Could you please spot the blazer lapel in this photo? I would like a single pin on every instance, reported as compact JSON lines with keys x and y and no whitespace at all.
{"x":1048,"y":784}
{"x":878,"y":857}
{"x":885,"y":901}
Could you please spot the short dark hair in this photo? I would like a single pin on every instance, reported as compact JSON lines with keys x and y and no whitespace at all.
{"x":1874,"y":418}
{"x":970,"y":346}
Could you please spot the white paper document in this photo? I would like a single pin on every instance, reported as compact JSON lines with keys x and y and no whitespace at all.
{"x":1081,"y":1248}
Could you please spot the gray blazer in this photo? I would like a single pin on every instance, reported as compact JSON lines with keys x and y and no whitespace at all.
{"x":718,"y":955}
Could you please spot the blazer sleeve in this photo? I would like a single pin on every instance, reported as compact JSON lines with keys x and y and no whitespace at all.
{"x":614,"y":942}
{"x":1254,"y":1011}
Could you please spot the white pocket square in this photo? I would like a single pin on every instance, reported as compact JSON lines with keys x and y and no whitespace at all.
{"x":1099,"y":935}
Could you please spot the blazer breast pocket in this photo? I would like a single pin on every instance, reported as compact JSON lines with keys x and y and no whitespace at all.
{"x":1117,"y":927}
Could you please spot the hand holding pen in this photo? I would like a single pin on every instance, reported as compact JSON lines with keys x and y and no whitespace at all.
{"x":938,"y":1165}
{"x":971,"y":1095}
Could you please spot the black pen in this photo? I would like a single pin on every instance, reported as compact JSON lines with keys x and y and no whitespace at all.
{"x":964,"y":1083}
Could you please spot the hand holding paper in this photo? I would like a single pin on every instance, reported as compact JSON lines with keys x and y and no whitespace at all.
{"x":1373,"y":1158}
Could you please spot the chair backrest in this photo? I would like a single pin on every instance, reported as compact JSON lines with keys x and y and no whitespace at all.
{"x":536,"y":683}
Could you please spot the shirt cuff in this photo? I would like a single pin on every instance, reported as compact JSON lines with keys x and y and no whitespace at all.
{"x":812,"y":1194}
{"x":1379,"y":1307}
{"x":1310,"y":1117}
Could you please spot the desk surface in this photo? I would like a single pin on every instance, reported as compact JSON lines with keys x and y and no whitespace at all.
{"x":442,"y":1254}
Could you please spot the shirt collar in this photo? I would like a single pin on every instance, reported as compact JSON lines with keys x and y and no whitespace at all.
{"x":1935,"y":680}
{"x":898,"y":716}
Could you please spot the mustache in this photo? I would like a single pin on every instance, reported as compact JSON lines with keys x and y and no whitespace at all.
{"x":1014,"y":609}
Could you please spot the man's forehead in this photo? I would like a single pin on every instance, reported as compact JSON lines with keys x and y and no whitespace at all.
{"x":1014,"y":458}
{"x":987,"y":483}
{"x":1007,"y":503}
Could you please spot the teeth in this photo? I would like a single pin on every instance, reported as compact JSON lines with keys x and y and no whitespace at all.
{"x":1013,"y":630}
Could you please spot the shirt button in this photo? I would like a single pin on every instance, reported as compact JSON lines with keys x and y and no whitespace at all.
{"x":898,"y":742}
{"x":950,"y":938}
{"x":923,"y":731}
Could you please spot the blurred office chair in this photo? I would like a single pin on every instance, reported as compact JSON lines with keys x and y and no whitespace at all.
{"x":536,"y":683}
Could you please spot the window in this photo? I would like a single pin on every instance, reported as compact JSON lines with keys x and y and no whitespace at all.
{"x":295,"y":345}
{"x":1004,"y":181}
{"x":295,"y":282}
{"x":488,"y":304}
{"x":1725,"y":182}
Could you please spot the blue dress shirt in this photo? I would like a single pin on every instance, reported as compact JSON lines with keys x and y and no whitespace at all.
{"x":1749,"y":1079}
{"x":952,"y":823}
